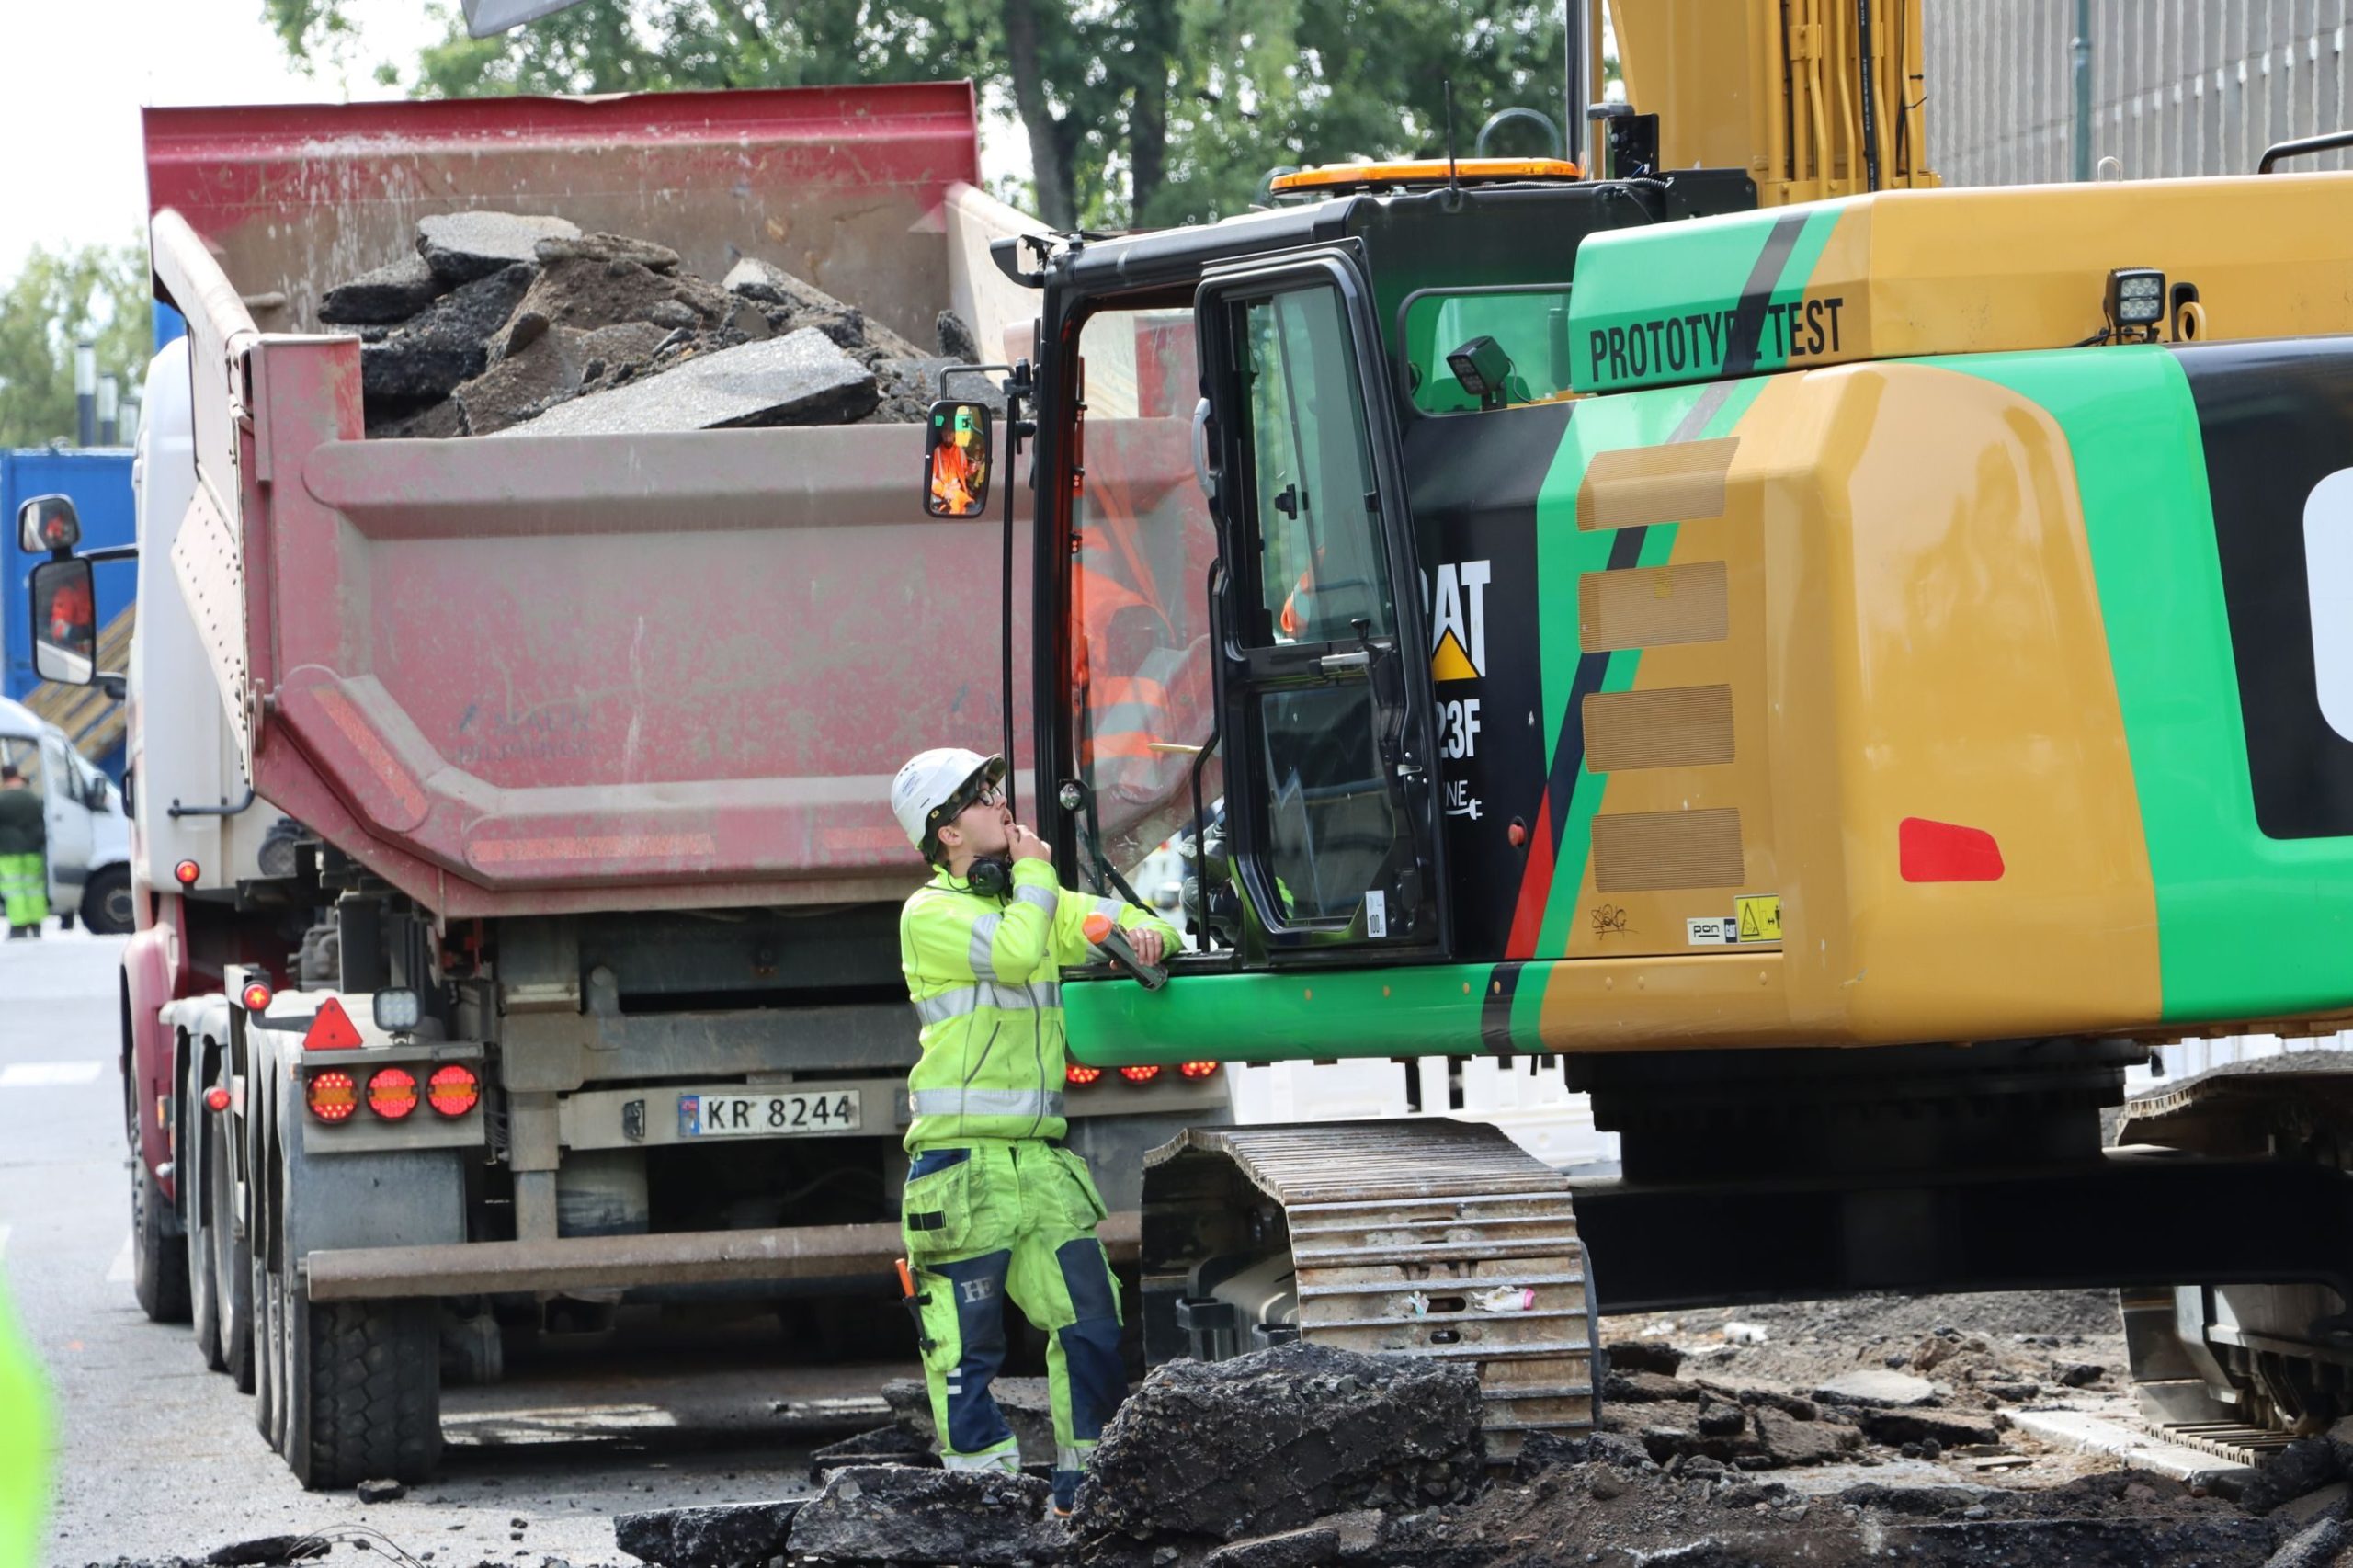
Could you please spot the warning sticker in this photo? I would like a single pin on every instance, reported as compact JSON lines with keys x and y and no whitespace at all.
{"x":1711,"y":933}
{"x":1760,"y":917}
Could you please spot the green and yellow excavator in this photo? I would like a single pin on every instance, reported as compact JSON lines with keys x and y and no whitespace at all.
{"x":1845,"y":665}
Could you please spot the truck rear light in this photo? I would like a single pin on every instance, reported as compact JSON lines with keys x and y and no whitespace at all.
{"x":186,"y":872}
{"x":331,"y":1029}
{"x":255,"y":997}
{"x":452,"y":1090}
{"x":333,"y":1097}
{"x":391,"y":1093}
{"x":398,"y":1011}
{"x":1140,"y":1075}
{"x":1082,"y":1076}
{"x":1198,"y":1069}
{"x":216,"y":1098}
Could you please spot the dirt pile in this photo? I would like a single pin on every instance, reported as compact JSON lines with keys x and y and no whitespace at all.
{"x":500,"y":318}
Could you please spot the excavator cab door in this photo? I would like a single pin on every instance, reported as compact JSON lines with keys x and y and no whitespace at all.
{"x":1326,"y":716}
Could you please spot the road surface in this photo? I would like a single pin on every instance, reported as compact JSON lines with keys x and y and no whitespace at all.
{"x":158,"y":1459}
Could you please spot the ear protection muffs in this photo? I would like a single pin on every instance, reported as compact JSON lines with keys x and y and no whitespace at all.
{"x":990,"y":876}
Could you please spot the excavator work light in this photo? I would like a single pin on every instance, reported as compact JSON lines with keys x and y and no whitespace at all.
{"x":2136,"y":298}
{"x":1484,"y":368}
{"x":398,"y":1011}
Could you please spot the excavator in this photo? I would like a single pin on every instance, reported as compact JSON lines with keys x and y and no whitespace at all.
{"x":1843,"y":667}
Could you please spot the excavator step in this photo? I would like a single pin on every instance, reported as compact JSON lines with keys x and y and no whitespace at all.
{"x":1431,"y":1238}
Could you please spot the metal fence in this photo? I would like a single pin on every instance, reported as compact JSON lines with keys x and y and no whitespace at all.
{"x":2178,"y":86}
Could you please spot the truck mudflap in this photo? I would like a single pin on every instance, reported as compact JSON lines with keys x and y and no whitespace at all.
{"x":1434,"y":1238}
{"x":580,"y":1263}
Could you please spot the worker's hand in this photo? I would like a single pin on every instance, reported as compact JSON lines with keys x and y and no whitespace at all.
{"x":1027,"y":846}
{"x":1148,"y":946}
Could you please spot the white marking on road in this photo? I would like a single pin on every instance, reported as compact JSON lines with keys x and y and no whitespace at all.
{"x":48,"y":1075}
{"x":120,"y":1273}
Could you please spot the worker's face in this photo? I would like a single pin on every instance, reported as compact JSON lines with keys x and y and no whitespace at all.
{"x":982,"y":829}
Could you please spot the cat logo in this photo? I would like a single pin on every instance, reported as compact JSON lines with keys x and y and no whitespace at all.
{"x":1459,"y":621}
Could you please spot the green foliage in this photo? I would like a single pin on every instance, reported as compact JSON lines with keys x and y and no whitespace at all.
{"x":1157,"y":113}
{"x":98,"y":292}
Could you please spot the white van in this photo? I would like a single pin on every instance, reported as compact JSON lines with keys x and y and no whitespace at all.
{"x":89,"y":836}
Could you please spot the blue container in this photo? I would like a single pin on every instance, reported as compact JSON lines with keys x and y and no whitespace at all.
{"x":98,"y":479}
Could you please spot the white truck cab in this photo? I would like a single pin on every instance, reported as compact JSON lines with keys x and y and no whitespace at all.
{"x":89,"y":837}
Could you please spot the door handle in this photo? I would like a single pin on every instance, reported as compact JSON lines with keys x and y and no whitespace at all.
{"x":1356,"y":659}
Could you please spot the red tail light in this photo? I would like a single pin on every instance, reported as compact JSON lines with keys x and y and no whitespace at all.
{"x":391,"y":1093}
{"x":452,"y":1090}
{"x":216,"y":1098}
{"x":1140,"y":1075}
{"x":333,"y":1097}
{"x":257,"y":997}
{"x":1082,"y":1076}
{"x":1198,"y":1069}
{"x":331,"y":1029}
{"x":185,"y":873}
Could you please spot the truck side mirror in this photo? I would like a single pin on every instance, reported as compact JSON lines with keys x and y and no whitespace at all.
{"x":956,"y":460}
{"x":66,"y":622}
{"x":46,"y":525}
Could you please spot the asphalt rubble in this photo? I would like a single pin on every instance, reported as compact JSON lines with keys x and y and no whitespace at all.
{"x":1307,"y":1456}
{"x":519,"y":323}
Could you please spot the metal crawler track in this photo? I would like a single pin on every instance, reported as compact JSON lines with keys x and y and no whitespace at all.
{"x":1433,"y":1238}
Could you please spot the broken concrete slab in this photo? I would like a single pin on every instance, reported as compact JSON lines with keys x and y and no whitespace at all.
{"x":899,"y":1443}
{"x":435,"y":421}
{"x":1647,"y":1388}
{"x":381,"y":1490}
{"x":1950,"y":1428}
{"x":265,"y":1551}
{"x":388,"y":295}
{"x":955,"y":340}
{"x":1787,"y":1440}
{"x":2333,"y":1500}
{"x":606,"y":247}
{"x":521,"y":383}
{"x":2314,"y":1546}
{"x":1274,"y":1439}
{"x":899,"y":1513}
{"x":1317,"y":1546}
{"x":2306,"y":1465}
{"x":1877,"y":1386}
{"x":462,"y":247}
{"x":737,"y":1535}
{"x":810,"y":306}
{"x":425,"y":360}
{"x":799,"y":379}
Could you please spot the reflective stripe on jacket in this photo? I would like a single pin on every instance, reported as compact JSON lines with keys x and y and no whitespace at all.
{"x":985,"y":975}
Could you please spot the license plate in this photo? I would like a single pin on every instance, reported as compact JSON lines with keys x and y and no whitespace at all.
{"x":773,"y":1114}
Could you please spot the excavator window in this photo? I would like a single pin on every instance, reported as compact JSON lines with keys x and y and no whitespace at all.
{"x":1531,"y":324}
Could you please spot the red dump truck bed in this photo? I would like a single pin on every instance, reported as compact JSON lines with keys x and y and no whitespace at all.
{"x":533,"y":675}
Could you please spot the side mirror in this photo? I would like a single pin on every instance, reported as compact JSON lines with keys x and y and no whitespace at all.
{"x":47,"y":524}
{"x":66,"y":622}
{"x":956,"y":460}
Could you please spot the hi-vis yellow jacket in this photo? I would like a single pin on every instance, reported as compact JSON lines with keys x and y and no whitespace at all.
{"x":985,"y":979}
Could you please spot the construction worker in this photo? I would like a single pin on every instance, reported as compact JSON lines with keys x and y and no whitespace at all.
{"x":996,"y":1205}
{"x":23,"y":854}
{"x":958,"y":466}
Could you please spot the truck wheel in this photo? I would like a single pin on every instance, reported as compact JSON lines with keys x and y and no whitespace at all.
{"x":158,"y":1258}
{"x":203,"y":1288}
{"x":269,"y":1357}
{"x":363,"y":1397}
{"x":232,"y":1271}
{"x":107,"y":906}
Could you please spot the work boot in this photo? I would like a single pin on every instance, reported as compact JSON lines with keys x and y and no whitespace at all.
{"x":1065,"y":1492}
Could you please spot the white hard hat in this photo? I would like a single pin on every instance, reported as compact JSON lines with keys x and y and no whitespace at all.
{"x":937,"y":784}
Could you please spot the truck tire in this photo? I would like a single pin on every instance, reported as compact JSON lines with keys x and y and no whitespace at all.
{"x":363,"y":1396}
{"x":199,"y":1147}
{"x":233,"y":1272}
{"x":107,"y":902}
{"x":203,"y":1288}
{"x":158,"y":1258}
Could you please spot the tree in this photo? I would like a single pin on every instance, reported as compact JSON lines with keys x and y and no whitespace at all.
{"x":99,"y":292}
{"x":1166,"y":113}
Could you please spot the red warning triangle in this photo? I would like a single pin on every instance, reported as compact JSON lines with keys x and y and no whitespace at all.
{"x":331,"y":1029}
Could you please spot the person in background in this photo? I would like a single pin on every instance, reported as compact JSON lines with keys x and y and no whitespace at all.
{"x":23,"y":854}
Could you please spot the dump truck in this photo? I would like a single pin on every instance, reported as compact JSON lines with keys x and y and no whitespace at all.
{"x":515,"y":888}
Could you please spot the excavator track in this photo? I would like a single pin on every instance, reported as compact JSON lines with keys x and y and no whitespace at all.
{"x":1431,"y":1238}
